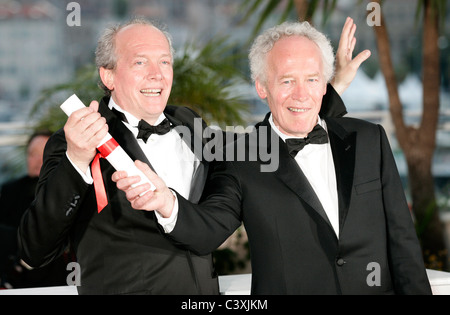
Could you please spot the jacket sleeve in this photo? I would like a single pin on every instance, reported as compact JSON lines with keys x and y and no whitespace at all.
{"x":44,"y":230}
{"x":204,"y":227}
{"x":332,"y":104}
{"x":405,"y":255}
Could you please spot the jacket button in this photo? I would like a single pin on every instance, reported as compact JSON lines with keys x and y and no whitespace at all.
{"x":340,"y":262}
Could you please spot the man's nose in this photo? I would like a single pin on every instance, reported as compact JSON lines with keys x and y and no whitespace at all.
{"x":154,"y":73}
{"x":300,"y":92}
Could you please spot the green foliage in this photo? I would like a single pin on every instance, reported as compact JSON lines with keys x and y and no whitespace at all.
{"x":208,"y":80}
{"x":268,"y":8}
{"x":234,"y":258}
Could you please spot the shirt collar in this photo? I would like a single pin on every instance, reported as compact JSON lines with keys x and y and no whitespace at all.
{"x":284,"y":136}
{"x":132,"y":121}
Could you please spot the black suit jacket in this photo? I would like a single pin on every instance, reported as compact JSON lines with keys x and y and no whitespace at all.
{"x":294,"y":249}
{"x":120,"y":250}
{"x":15,"y":197}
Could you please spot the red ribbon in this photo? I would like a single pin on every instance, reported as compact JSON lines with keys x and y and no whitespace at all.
{"x":99,"y":186}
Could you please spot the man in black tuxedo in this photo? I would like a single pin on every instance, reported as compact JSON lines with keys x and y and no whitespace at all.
{"x":332,"y":218}
{"x":120,"y":251}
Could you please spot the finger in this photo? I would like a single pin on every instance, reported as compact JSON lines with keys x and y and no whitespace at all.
{"x":86,"y":113}
{"x":123,"y":181}
{"x":92,"y":122}
{"x":97,"y":131}
{"x":152,"y":176}
{"x":118,"y":176}
{"x":127,"y":183}
{"x":90,"y":119}
{"x":78,"y":115}
{"x":360,"y":58}
{"x":343,"y":42}
{"x":136,"y":192}
{"x":144,"y":202}
{"x":94,"y":106}
{"x":351,"y":49}
{"x":351,"y":35}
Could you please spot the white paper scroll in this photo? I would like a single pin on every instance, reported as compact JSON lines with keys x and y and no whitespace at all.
{"x":117,"y":157}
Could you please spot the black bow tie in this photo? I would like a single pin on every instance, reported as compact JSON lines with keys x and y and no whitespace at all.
{"x":146,"y":130}
{"x":317,"y":136}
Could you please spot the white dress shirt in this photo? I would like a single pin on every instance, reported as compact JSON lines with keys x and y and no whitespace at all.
{"x":169,"y":155}
{"x":316,"y":162}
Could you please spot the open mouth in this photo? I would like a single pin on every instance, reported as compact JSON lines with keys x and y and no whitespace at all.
{"x":151,"y":92}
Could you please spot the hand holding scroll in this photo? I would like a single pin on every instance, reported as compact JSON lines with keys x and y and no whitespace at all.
{"x":140,"y":197}
{"x":84,"y":130}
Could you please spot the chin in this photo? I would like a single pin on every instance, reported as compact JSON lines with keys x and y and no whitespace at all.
{"x":156,"y":105}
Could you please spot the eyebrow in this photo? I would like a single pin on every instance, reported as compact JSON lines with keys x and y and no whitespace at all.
{"x":316,"y":74}
{"x":147,"y":57}
{"x":289,"y":75}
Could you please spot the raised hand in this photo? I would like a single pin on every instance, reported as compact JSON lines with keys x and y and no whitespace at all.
{"x":346,"y":65}
{"x":84,"y":130}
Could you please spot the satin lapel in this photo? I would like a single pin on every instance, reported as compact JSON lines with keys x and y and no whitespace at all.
{"x":293,"y":177}
{"x":122,"y":134}
{"x":343,"y":145}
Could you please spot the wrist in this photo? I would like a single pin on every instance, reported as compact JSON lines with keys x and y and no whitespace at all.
{"x":339,"y":87}
{"x":166,"y":211}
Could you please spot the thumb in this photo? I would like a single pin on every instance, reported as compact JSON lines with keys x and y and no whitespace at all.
{"x":151,"y":175}
{"x":362,"y":56}
{"x":94,"y":106}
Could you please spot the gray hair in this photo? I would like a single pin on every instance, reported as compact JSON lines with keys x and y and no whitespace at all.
{"x":105,"y":54}
{"x":265,"y":42}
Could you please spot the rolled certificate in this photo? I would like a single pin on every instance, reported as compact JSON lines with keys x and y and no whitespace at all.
{"x":109,"y":148}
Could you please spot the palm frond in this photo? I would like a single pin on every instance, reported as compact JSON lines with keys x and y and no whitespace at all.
{"x":207,"y":79}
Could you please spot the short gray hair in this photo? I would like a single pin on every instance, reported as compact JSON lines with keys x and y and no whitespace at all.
{"x":105,"y":54}
{"x":266,"y":41}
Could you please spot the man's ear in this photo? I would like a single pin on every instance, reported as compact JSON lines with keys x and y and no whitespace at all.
{"x":107,"y":77}
{"x":261,"y":89}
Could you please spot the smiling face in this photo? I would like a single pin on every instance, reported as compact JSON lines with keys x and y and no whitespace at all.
{"x":294,"y":85}
{"x":142,"y":80}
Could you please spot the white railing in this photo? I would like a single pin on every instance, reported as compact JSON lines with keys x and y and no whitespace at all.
{"x":234,"y":285}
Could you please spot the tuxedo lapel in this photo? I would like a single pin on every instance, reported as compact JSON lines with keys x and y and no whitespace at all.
{"x":343,"y":146}
{"x":122,"y":134}
{"x":292,"y":176}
